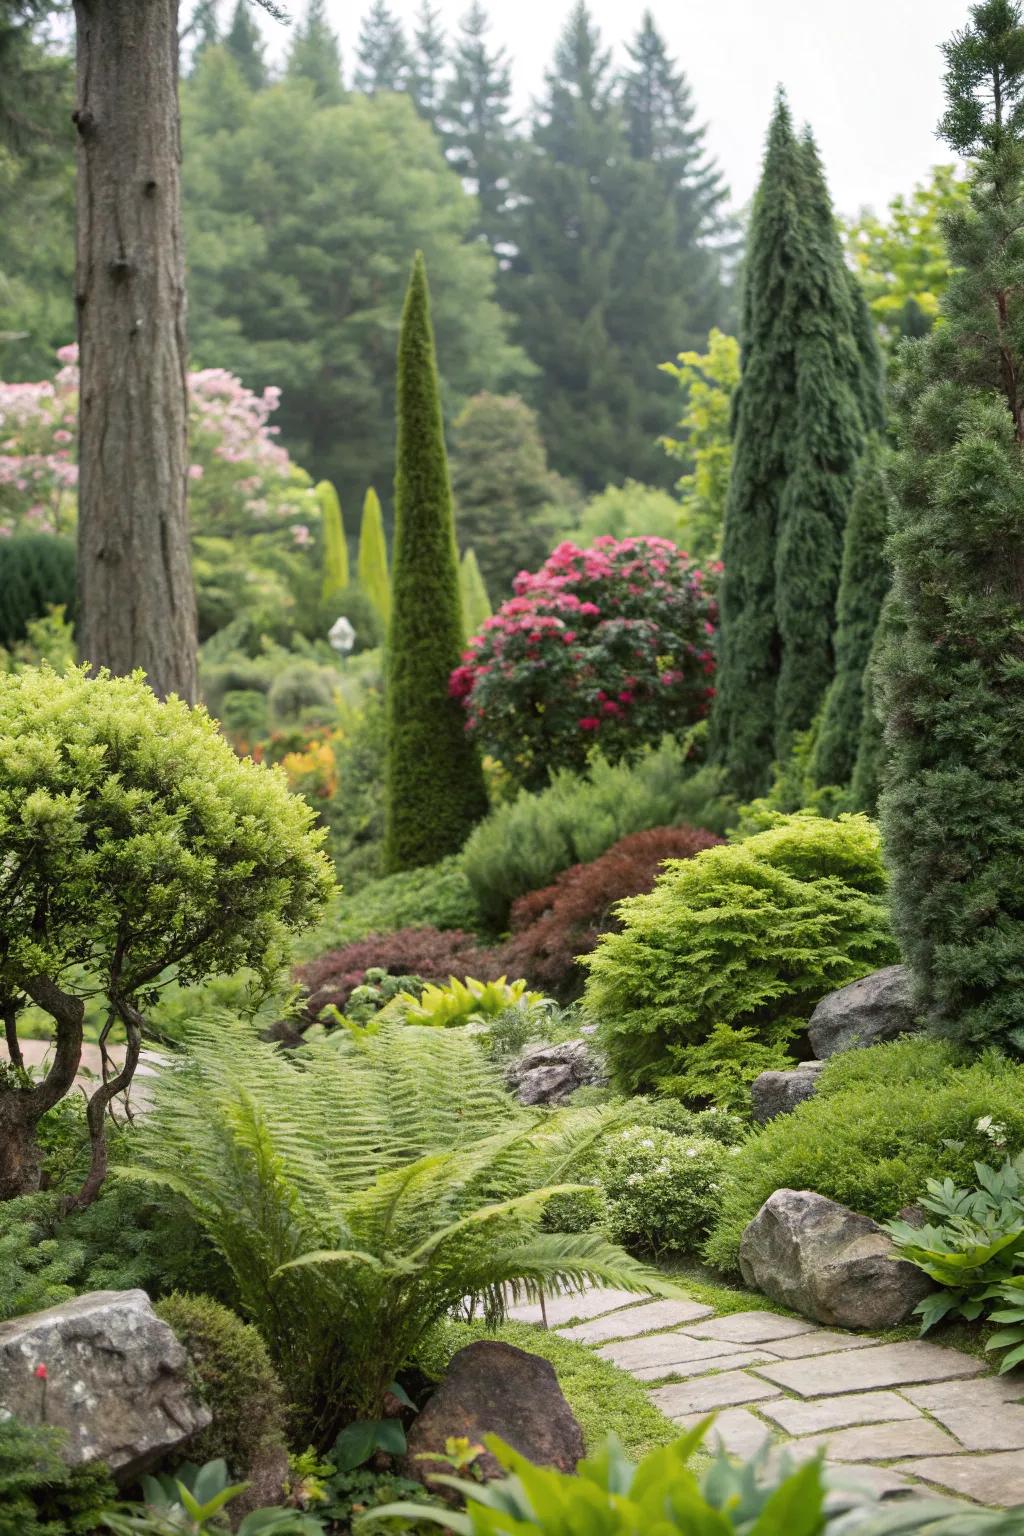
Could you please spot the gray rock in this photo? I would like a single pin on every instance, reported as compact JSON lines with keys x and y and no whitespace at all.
{"x":494,"y":1388}
{"x":828,"y":1263}
{"x":548,"y":1074}
{"x":117,"y":1380}
{"x":777,"y":1093}
{"x":867,"y":1012}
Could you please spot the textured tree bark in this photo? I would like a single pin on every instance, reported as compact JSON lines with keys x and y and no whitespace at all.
{"x":136,"y":601}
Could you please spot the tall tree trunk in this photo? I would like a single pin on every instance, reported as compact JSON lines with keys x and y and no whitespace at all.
{"x":136,"y":601}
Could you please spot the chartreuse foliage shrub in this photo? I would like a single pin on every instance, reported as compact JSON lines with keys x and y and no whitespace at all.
{"x":666,"y":1495}
{"x":751,"y":935}
{"x":952,"y":671}
{"x":39,"y":1494}
{"x":136,"y":847}
{"x":360,"y":1189}
{"x":463,"y":1002}
{"x":372,"y":560}
{"x":335,"y":578}
{"x":435,"y":786}
{"x":235,"y":1377}
{"x":524,"y":844}
{"x":882,"y":1122}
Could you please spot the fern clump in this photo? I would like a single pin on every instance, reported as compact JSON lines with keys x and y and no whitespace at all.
{"x":361,"y":1189}
{"x":749,"y":935}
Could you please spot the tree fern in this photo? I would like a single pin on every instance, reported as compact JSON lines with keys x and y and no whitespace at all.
{"x":360,"y":1189}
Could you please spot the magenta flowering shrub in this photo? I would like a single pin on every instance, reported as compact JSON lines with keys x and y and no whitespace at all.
{"x":38,"y":474}
{"x":611,"y":645}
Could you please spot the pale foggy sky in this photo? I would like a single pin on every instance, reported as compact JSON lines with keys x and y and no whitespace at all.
{"x":866,"y":74}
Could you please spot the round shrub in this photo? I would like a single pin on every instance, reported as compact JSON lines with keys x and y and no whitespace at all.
{"x":662,"y":1190}
{"x":882,"y":1122}
{"x":609,"y":645}
{"x":752,"y":934}
{"x":553,"y":926}
{"x":236,"y":1379}
{"x":301,"y":686}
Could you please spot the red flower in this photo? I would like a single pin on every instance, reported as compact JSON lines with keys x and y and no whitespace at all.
{"x":589,"y":723}
{"x":41,"y":1372}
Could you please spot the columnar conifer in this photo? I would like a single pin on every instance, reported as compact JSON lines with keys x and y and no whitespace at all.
{"x":335,"y":544}
{"x":476,"y":604}
{"x":953,"y":680}
{"x":435,"y":787}
{"x":372,"y":560}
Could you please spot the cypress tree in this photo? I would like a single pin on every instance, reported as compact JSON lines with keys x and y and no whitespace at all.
{"x":372,"y":560}
{"x":435,"y":787}
{"x":244,"y":42}
{"x":336,"y":573}
{"x":315,"y":55}
{"x":953,"y":681}
{"x":823,"y":454}
{"x":863,"y":583}
{"x":476,"y":605}
{"x":764,"y":410}
{"x":382,"y":52}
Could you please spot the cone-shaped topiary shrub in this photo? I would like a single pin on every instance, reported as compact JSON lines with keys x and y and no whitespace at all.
{"x":372,"y":560}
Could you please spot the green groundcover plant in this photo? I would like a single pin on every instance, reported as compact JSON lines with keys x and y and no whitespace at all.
{"x":749,"y":935}
{"x":360,"y":1189}
{"x":883,"y":1122}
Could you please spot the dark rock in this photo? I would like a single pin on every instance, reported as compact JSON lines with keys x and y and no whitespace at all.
{"x":777,"y":1093}
{"x":828,"y":1263}
{"x":117,"y":1380}
{"x":548,"y":1074}
{"x":494,"y":1388}
{"x":867,"y":1012}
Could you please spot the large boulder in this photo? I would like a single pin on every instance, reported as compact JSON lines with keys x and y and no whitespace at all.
{"x":104,"y":1368}
{"x":494,"y":1388}
{"x":828,"y":1263}
{"x":776,"y":1093}
{"x":548,"y":1074}
{"x":867,"y":1012}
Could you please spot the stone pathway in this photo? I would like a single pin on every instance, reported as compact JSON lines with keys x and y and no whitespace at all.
{"x":903,"y":1416}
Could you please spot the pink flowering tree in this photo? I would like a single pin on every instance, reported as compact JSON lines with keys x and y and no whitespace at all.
{"x":609,"y":646}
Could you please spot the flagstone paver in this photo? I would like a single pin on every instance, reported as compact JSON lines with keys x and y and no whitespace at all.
{"x":826,"y":1413}
{"x":636,"y":1320}
{"x":728,"y":1389}
{"x":995,"y":1479}
{"x":886,"y":1365}
{"x":899,"y":1418}
{"x":686,"y":1368}
{"x":750,"y":1327}
{"x":565,"y":1309}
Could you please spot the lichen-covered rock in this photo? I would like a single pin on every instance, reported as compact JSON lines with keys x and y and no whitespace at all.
{"x":105,"y":1369}
{"x":867,"y":1012}
{"x":779,"y":1092}
{"x":828,"y":1263}
{"x":548,"y":1074}
{"x":494,"y":1388}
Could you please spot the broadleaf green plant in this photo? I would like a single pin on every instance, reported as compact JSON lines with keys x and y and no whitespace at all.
{"x":361,"y":1189}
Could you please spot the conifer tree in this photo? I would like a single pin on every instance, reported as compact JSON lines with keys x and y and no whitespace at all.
{"x":335,"y":545}
{"x":429,"y":57}
{"x":435,"y":789}
{"x":244,"y":41}
{"x":315,"y":55}
{"x":382,"y":52}
{"x":953,"y":681}
{"x":863,"y":583}
{"x":476,"y":121}
{"x":476,"y":605}
{"x":764,"y":410}
{"x":372,"y":560}
{"x":823,"y":454}
{"x":871,"y":765}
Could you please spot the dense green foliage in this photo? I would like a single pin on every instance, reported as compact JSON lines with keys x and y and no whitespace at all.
{"x":882,"y":1122}
{"x":236,"y":1381}
{"x":524,"y":843}
{"x":476,"y":605}
{"x":372,"y":562}
{"x":708,"y":381}
{"x":335,"y":546}
{"x":36,"y":1270}
{"x":504,"y":491}
{"x":661,"y":1188}
{"x":476,"y":122}
{"x":952,"y":672}
{"x":433,"y":895}
{"x":37,"y":571}
{"x":358,"y":1190}
{"x":808,"y":393}
{"x":863,"y":583}
{"x":749,"y":934}
{"x":435,"y":787}
{"x":39,"y":1494}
